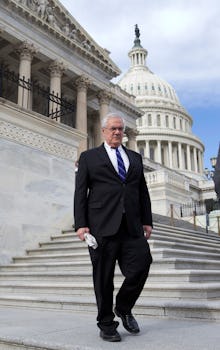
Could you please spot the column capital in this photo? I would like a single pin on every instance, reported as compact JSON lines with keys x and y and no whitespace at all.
{"x":82,"y":83}
{"x":26,"y":50}
{"x":56,"y":68}
{"x":104,"y":97}
{"x":132,"y":133}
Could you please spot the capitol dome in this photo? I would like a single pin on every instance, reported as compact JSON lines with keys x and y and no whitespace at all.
{"x":165,"y":129}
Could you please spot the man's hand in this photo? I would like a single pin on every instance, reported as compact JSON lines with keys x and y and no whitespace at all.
{"x":81,"y":231}
{"x":147,"y":231}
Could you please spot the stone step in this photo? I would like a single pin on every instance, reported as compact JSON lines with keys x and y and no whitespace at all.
{"x":176,"y":237}
{"x":155,"y":276}
{"x":183,"y":245}
{"x":49,"y":267}
{"x":196,"y":233}
{"x":193,"y":254}
{"x":158,"y":239}
{"x":77,"y":248}
{"x":70,"y":243}
{"x":79,"y":256}
{"x":83,"y":263}
{"x":181,"y":308}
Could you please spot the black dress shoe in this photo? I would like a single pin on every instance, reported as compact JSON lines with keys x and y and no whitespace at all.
{"x":110,"y":336}
{"x":129,"y":322}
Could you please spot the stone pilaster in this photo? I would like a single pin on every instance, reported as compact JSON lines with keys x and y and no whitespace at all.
{"x":82,"y":85}
{"x":26,"y":51}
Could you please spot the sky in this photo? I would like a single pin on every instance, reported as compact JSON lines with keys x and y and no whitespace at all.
{"x":182,"y":38}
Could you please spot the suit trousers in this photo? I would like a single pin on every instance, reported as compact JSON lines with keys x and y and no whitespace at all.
{"x":134,"y":259}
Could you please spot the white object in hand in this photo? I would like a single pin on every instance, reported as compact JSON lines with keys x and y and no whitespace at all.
{"x":90,"y":240}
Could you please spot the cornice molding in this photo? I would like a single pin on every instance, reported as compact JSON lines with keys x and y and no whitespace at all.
{"x":52,"y":17}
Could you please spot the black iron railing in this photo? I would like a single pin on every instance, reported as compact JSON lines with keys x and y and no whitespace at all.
{"x":39,"y":97}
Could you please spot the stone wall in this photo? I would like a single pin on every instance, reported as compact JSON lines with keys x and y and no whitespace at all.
{"x":36,"y":180}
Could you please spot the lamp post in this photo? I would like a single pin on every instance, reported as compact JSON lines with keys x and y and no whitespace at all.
{"x":210,"y":173}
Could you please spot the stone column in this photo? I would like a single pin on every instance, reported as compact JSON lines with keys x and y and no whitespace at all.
{"x":147,"y":149}
{"x":159,"y":160}
{"x":195,"y":160}
{"x":26,"y":52}
{"x":170,"y":154}
{"x":104,"y":98}
{"x":200,"y":161}
{"x":180,"y":155}
{"x":82,"y":84}
{"x":56,"y":71}
{"x":188,"y":158}
{"x":131,"y":135}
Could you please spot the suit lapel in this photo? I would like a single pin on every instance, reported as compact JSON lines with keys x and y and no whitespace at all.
{"x":131,"y":161}
{"x":104,"y":155}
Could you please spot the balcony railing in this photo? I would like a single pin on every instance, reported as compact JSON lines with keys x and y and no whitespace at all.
{"x":38,"y":98}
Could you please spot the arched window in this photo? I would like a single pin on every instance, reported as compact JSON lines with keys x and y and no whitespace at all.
{"x":140,"y":121}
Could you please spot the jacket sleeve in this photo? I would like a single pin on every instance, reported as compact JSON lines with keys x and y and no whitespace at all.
{"x":81,"y":194}
{"x":146,"y":213}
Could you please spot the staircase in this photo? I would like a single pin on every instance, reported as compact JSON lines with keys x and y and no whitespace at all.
{"x":184,"y":280}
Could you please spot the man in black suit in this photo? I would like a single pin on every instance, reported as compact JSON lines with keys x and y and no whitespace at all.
{"x":112,"y":203}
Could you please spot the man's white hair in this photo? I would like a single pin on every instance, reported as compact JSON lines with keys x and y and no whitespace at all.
{"x":117,"y":115}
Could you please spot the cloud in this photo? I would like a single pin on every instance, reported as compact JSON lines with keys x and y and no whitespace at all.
{"x":181,"y":36}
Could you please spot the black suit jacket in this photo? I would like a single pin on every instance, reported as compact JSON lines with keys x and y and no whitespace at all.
{"x":101,"y":197}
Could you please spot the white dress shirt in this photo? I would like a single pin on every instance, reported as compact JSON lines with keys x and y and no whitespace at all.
{"x":113,"y":158}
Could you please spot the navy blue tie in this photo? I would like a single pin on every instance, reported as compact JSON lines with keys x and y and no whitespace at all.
{"x":121,"y":166}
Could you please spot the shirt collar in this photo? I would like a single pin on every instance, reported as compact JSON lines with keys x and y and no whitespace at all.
{"x":111,"y":148}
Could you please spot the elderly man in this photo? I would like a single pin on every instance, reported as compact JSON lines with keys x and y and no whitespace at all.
{"x":112,"y":203}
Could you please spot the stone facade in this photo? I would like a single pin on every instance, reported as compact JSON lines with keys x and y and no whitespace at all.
{"x":54,"y":89}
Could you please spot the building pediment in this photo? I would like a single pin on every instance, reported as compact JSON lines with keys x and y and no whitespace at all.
{"x":56,"y":21}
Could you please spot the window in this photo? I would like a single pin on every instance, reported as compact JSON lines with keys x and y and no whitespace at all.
{"x":141,"y":151}
{"x":158,"y":120}
{"x":174,"y":122}
{"x":140,"y":121}
{"x":151,"y":153}
{"x":167,"y":121}
{"x":149,"y":120}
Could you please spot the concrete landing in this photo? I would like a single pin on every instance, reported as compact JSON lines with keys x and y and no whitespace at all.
{"x":58,"y":330}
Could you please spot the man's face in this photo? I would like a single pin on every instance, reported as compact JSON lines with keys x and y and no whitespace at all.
{"x":113,"y":132}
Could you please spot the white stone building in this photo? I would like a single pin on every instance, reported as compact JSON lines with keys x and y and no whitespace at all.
{"x":171,"y":151}
{"x":55,"y":86}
